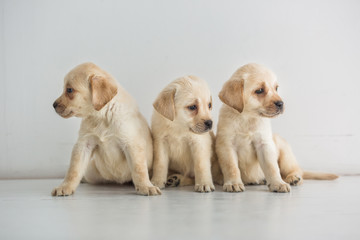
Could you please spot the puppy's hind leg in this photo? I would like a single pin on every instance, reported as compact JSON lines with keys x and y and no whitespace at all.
{"x":178,"y":180}
{"x":289,"y":168}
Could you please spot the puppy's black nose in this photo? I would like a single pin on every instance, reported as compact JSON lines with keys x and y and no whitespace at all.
{"x":279,"y":104}
{"x":55,"y":104}
{"x":208,"y":124}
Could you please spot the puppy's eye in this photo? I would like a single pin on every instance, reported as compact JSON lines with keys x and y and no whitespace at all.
{"x":192,"y":107}
{"x":210,"y":105}
{"x":259,"y":91}
{"x":69,"y":90}
{"x":277,"y":88}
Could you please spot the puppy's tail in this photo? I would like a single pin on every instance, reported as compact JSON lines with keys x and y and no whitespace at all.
{"x":319,"y":176}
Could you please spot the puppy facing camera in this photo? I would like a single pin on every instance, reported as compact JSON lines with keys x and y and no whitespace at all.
{"x":183,"y":140}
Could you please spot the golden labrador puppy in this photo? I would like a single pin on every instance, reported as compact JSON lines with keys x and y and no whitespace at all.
{"x":183,"y":140}
{"x":114,"y":143}
{"x":247,"y":150}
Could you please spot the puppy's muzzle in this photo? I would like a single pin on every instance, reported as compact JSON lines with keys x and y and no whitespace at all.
{"x":61,"y":110}
{"x":55,"y":104}
{"x":279,"y":104}
{"x":279,"y":107}
{"x":208,"y":124}
{"x":202,"y":127}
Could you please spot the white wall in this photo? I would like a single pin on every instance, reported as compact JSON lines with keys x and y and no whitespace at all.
{"x":313,"y":46}
{"x":3,"y":155}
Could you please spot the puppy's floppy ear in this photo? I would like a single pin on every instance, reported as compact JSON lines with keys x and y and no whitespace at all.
{"x":165,"y":105}
{"x":232,"y":94}
{"x":102,"y":91}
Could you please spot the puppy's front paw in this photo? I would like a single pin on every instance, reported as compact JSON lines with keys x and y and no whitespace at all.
{"x":173,"y":180}
{"x":204,"y":187}
{"x":233,"y":187}
{"x":280,"y":187}
{"x":294,"y":179}
{"x":158,"y":183}
{"x":148,"y":190}
{"x":63,"y":190}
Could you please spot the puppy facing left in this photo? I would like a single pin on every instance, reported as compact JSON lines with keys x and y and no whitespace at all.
{"x":114,"y":142}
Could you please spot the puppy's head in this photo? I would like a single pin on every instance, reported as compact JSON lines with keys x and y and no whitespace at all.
{"x":186,"y":102}
{"x":87,"y":89}
{"x":253,"y":89}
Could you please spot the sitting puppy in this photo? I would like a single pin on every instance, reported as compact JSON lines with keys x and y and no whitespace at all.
{"x":247,"y":150}
{"x":114,"y":143}
{"x":183,"y":142}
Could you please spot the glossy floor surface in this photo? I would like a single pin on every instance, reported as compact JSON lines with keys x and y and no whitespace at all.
{"x":315,"y":210}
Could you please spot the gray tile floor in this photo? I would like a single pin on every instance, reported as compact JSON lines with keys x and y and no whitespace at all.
{"x":315,"y":210}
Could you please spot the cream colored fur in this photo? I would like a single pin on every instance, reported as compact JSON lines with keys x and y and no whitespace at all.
{"x":183,"y":143}
{"x":247,"y":150}
{"x":114,"y":142}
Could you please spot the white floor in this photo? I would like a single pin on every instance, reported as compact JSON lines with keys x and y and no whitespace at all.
{"x":315,"y":210}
